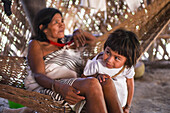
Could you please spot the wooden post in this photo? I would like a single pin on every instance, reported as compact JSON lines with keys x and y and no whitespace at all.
{"x":31,"y":7}
{"x":150,"y":52}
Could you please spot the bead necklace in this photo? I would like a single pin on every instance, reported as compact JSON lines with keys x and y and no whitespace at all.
{"x":60,"y":44}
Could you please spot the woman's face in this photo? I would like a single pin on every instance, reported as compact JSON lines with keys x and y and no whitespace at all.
{"x":56,"y":27}
{"x":112,"y":59}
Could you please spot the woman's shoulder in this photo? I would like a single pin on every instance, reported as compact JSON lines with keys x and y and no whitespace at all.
{"x":36,"y":42}
{"x":33,"y":42}
{"x":34,"y":45}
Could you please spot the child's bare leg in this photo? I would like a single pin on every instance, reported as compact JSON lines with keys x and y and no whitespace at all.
{"x":91,"y":89}
{"x":111,"y":98}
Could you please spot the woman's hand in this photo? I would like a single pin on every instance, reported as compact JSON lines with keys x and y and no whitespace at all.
{"x":70,"y":94}
{"x":103,"y":77}
{"x":81,"y":38}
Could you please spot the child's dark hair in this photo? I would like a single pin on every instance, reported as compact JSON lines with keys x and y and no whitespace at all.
{"x":126,"y":44}
{"x":43,"y":17}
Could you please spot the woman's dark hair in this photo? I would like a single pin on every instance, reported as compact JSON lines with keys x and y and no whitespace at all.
{"x":43,"y":17}
{"x":126,"y":44}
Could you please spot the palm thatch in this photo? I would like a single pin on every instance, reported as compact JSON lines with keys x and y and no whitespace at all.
{"x":16,"y":28}
{"x":147,"y":24}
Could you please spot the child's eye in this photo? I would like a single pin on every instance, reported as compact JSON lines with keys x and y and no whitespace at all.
{"x":62,"y":20}
{"x":117,"y":58}
{"x":107,"y":52}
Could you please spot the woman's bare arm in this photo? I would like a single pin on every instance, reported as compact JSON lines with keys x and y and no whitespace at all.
{"x":36,"y":63}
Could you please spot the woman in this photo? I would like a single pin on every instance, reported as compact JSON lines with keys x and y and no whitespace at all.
{"x":55,"y":65}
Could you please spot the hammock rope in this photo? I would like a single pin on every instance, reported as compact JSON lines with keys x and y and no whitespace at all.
{"x":13,"y":69}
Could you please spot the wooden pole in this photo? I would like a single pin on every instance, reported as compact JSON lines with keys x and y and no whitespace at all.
{"x":31,"y":7}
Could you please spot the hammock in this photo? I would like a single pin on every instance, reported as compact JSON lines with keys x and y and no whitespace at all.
{"x":13,"y":69}
{"x":150,"y":22}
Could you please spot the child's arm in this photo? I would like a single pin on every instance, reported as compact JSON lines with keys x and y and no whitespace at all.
{"x":130,"y":86}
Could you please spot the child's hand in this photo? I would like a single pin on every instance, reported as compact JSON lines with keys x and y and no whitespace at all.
{"x":102,"y":77}
{"x":126,"y":109}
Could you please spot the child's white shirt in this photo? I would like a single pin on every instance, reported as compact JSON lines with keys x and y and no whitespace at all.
{"x":97,"y":66}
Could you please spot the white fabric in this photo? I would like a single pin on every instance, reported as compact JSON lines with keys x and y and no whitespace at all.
{"x":96,"y":4}
{"x":96,"y":66}
{"x":64,"y":63}
{"x":133,"y":4}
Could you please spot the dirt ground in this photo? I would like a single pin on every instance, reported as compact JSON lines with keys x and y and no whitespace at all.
{"x":152,"y":91}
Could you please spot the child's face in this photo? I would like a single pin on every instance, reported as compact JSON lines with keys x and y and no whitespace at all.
{"x":112,"y":59}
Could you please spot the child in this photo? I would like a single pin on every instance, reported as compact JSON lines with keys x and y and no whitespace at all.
{"x":121,"y":51}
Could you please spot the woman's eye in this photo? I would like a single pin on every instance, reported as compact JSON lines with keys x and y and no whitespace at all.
{"x":62,"y":21}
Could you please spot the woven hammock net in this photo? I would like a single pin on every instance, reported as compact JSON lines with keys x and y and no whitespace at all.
{"x":16,"y":33}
